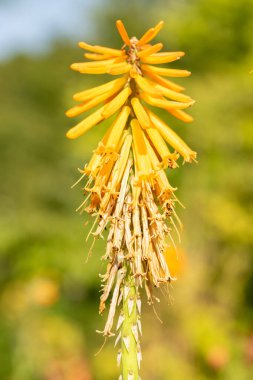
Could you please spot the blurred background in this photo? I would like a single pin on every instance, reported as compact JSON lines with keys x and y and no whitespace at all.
{"x":48,"y":295}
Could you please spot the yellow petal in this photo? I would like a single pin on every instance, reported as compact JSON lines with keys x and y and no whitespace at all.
{"x":117,"y":129}
{"x":162,"y":57}
{"x":101,"y":149}
{"x":158,"y":142}
{"x":162,"y":185}
{"x":118,"y":170}
{"x":101,"y":145}
{"x":172,"y":138}
{"x":138,"y":137}
{"x":113,"y":85}
{"x":103,"y":174}
{"x":165,"y":72}
{"x":95,"y":161}
{"x":181,"y":115}
{"x":77,"y":110}
{"x":140,"y":151}
{"x":123,"y":32}
{"x":158,"y":27}
{"x":143,"y":167}
{"x":101,"y":67}
{"x":101,"y":49}
{"x":83,"y":65}
{"x":146,"y":86}
{"x":150,"y":50}
{"x":165,"y":82}
{"x":84,"y":69}
{"x":86,"y":124}
{"x":116,"y":103}
{"x":119,"y":68}
{"x":122,"y":139}
{"x":160,"y":175}
{"x":97,"y":57}
{"x":155,"y":162}
{"x":150,"y":34}
{"x":147,"y":36}
{"x":140,"y":113}
{"x":93,"y":164}
{"x":172,"y":94}
{"x":168,"y":158}
{"x":163,"y":103}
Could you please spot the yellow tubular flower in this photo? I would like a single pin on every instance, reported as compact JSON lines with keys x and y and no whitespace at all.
{"x":97,"y":57}
{"x":165,"y":72}
{"x":115,"y":84}
{"x":150,"y":50}
{"x":117,"y":129}
{"x":150,"y":34}
{"x":163,"y":103}
{"x":172,"y":138}
{"x":159,"y":174}
{"x":83,"y":65}
{"x":162,"y":57}
{"x":165,"y":82}
{"x":126,"y":186}
{"x":83,"y":107}
{"x":181,"y":115}
{"x":140,"y":113}
{"x":146,"y":87}
{"x":119,"y":68}
{"x":93,"y":164}
{"x":116,"y":103}
{"x":143,"y":164}
{"x":172,"y":94}
{"x":86,"y":124}
{"x":111,"y":66}
{"x":122,"y":161}
{"x":102,"y":49}
{"x":123,"y":32}
{"x":138,"y":137}
{"x":161,"y":147}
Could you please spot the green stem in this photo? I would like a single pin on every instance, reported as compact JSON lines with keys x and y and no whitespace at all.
{"x":130,"y":345}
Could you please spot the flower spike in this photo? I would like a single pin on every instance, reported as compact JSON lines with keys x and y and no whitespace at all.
{"x":126,"y":181}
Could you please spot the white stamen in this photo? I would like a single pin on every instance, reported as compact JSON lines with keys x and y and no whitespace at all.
{"x":79,"y":180}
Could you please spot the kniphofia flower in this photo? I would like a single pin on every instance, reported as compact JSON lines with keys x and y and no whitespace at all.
{"x":127,"y":189}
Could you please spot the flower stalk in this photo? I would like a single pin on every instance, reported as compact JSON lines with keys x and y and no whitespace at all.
{"x":130,"y":330}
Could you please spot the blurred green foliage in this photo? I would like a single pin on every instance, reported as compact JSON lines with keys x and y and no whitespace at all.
{"x":49,"y":296}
